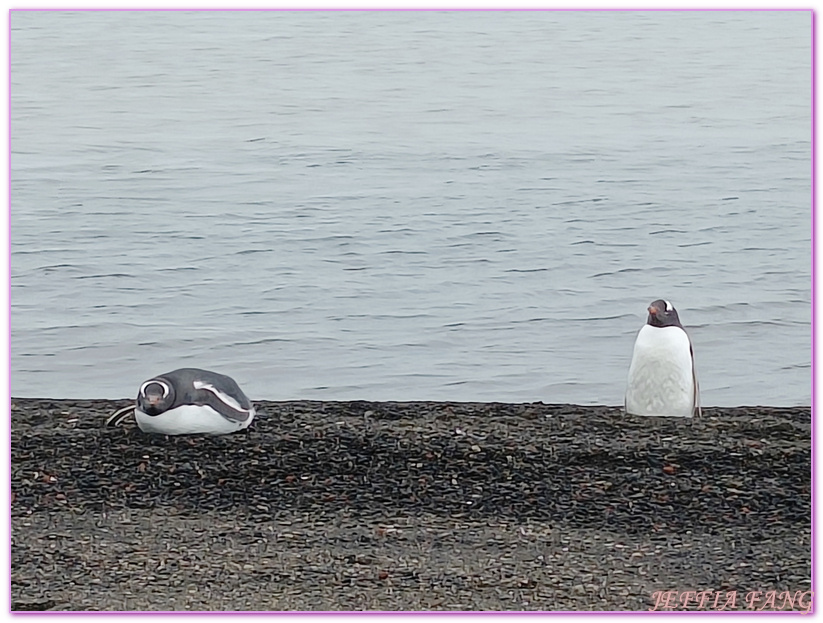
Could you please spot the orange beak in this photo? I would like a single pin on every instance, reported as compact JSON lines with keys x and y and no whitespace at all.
{"x":653,"y":310}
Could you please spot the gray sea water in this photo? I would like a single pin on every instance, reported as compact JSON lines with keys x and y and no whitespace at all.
{"x":409,"y":205}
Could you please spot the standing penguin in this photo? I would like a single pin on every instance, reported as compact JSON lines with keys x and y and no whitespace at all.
{"x":661,"y":376}
{"x":189,"y":401}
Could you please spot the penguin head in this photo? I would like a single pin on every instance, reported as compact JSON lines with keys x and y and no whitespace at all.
{"x":663,"y":314}
{"x":155,"y":397}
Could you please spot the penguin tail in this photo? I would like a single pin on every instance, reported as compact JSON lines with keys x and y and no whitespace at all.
{"x":118,"y":416}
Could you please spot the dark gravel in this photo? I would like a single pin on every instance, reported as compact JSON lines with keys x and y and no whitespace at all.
{"x":406,"y":506}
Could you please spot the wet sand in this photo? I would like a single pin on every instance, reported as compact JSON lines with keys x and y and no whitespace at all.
{"x":407,"y":506}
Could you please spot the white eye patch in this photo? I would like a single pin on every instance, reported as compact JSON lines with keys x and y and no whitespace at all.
{"x":668,"y":306}
{"x":154,"y":381}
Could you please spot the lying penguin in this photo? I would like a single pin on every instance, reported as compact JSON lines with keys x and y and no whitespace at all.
{"x":662,"y":380}
{"x":189,"y":401}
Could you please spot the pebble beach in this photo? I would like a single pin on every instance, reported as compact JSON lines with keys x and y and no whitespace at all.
{"x":330,"y":506}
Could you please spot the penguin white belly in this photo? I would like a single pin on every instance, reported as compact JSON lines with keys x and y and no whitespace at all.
{"x":661,"y":375}
{"x":189,"y":420}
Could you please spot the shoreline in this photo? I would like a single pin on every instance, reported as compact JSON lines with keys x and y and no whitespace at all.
{"x":352,"y":505}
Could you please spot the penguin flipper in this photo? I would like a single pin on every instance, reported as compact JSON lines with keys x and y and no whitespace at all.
{"x":697,"y":409}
